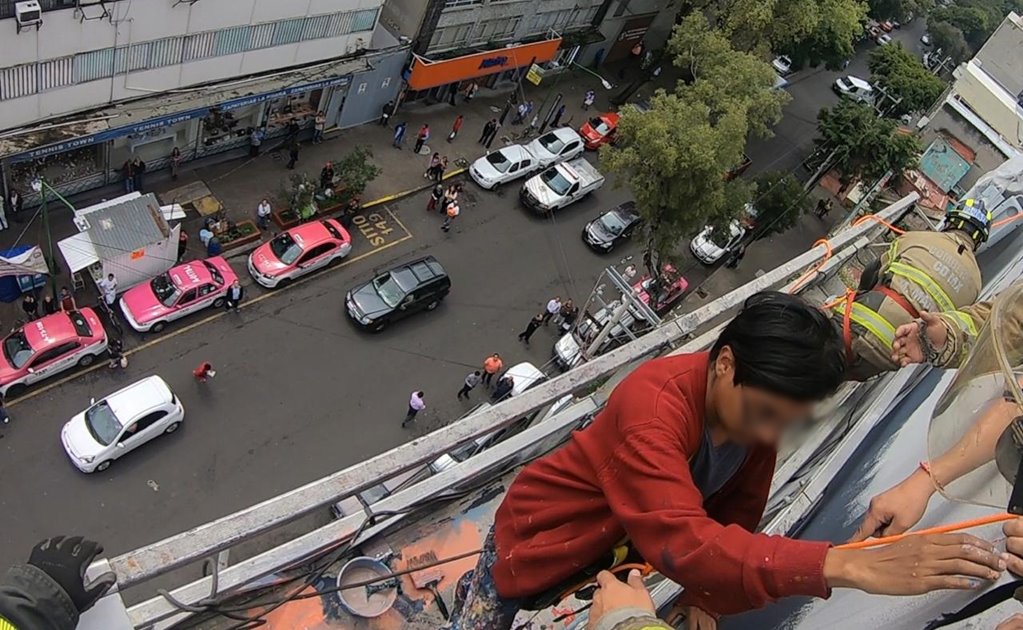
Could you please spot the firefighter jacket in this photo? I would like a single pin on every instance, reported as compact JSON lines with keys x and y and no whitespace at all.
{"x":963,"y":326}
{"x":32,"y":600}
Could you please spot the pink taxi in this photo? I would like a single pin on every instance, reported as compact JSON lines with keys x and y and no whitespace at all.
{"x":50,"y":345}
{"x":663,"y":295}
{"x":298,"y":251}
{"x":178,"y":292}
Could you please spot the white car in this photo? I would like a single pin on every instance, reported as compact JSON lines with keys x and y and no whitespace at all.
{"x":709,"y":249}
{"x":884,"y":38}
{"x":120,"y":423}
{"x":557,"y":145}
{"x":925,"y":39}
{"x":502,"y":166}
{"x":782,"y":64}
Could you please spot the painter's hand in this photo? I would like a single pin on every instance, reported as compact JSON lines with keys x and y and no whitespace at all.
{"x":614,"y":594}
{"x":896,"y":510}
{"x":907,"y":349}
{"x":1014,"y":622}
{"x":696,"y":619}
{"x":1013,"y":531}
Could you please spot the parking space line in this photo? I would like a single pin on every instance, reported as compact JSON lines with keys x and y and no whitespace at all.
{"x":101,"y":364}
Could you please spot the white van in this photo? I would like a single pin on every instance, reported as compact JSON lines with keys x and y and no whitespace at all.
{"x":855,"y":88}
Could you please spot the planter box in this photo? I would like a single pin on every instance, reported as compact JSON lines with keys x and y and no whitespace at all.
{"x":249,"y":233}
{"x":285,"y":218}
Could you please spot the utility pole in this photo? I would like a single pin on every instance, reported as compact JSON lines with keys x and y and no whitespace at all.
{"x":40,"y":186}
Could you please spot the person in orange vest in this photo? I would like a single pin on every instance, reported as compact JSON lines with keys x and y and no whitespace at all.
{"x":491,"y":366}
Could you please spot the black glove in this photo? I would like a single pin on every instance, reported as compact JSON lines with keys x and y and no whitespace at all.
{"x":65,"y":561}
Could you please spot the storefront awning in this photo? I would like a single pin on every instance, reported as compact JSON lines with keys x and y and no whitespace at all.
{"x":78,"y":251}
{"x":427,"y":74}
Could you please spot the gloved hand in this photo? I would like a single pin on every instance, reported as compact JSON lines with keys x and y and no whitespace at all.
{"x":65,"y":561}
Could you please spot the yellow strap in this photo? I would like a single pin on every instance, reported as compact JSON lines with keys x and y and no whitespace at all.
{"x":922,"y":280}
{"x":964,"y":321}
{"x":874,"y":323}
{"x":6,"y":625}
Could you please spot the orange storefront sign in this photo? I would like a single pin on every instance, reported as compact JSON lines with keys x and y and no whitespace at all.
{"x":427,"y":74}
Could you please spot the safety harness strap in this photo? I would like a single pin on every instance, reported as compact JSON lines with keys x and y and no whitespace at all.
{"x":983,"y":603}
{"x":925,"y":282}
{"x":871,"y":320}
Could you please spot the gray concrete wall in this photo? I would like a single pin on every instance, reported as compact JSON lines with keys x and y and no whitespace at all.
{"x":403,"y":17}
{"x":947,"y":122}
{"x":619,"y":13}
{"x":528,"y":12}
{"x":371,"y":89}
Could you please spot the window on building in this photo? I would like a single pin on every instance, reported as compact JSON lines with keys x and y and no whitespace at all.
{"x":131,"y":58}
{"x":495,"y":30}
{"x":288,"y":31}
{"x":364,"y":20}
{"x":199,"y":46}
{"x":461,"y":3}
{"x":56,"y":73}
{"x":451,"y":36}
{"x":98,"y":64}
{"x":165,"y":52}
{"x":231,"y":41}
{"x":551,"y":19}
{"x":18,"y":81}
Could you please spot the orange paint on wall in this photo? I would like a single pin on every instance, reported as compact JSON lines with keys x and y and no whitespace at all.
{"x":427,"y":74}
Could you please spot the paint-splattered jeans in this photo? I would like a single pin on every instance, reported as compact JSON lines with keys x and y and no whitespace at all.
{"x":481,"y":607}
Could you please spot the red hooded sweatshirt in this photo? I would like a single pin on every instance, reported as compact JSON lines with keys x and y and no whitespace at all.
{"x":627,"y":474}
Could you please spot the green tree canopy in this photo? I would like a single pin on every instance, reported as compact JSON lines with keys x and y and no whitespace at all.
{"x":780,"y":202}
{"x":865,"y":144}
{"x":951,"y":41}
{"x":974,"y":23}
{"x":902,"y":74}
{"x":900,"y":10}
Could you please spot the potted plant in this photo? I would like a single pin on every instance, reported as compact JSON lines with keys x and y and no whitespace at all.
{"x":238,"y":234}
{"x":296,"y":201}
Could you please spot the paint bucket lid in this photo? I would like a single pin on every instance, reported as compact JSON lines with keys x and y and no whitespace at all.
{"x":360,"y":601}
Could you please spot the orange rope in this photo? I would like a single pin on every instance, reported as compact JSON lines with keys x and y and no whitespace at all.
{"x":941,"y":529}
{"x":1001,"y":222}
{"x":874,"y":217}
{"x":816,"y":266}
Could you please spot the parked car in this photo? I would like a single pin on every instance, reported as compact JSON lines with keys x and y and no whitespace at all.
{"x":502,"y":166}
{"x":560,"y":185}
{"x":120,"y":423}
{"x":180,"y":291}
{"x":420,"y":285}
{"x":710,"y":248}
{"x":599,"y":130}
{"x":557,"y":145}
{"x":299,"y":251}
{"x":616,"y":225}
{"x":925,"y":39}
{"x":782,"y":64}
{"x":568,"y":349}
{"x":662,"y":295}
{"x":883,"y":39}
{"x":887,"y":26}
{"x":855,"y":88}
{"x":48,"y":346}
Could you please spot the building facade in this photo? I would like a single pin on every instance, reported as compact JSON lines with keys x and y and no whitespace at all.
{"x":99,"y":82}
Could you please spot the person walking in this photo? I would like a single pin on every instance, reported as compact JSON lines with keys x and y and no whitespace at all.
{"x":14,"y":204}
{"x":823,"y":208}
{"x":385,"y":114}
{"x":487,"y":129}
{"x":531,"y":327}
{"x":493,"y":134}
{"x":456,"y":127}
{"x":520,"y":113}
{"x":450,"y":196}
{"x":568,"y":312}
{"x":451,"y":212}
{"x":30,"y":306}
{"x":319,"y":125}
{"x":552,"y":309}
{"x":438,"y":173}
{"x":416,"y":403}
{"x":327,"y":176}
{"x":128,"y":172}
{"x":234,"y":296}
{"x":49,"y":305}
{"x":435,"y":196}
{"x":203,"y":372}
{"x":108,"y":286}
{"x":115,"y":351}
{"x":557,"y":116}
{"x":470,"y":91}
{"x":432,"y":166}
{"x":421,"y":137}
{"x":491,"y":366}
{"x":471,"y":381}
{"x":175,"y":162}
{"x":263,"y":212}
{"x":255,"y":141}
{"x":139,"y":169}
{"x":67,"y":301}
{"x":292,"y":153}
{"x":399,"y":135}
{"x":588,"y":99}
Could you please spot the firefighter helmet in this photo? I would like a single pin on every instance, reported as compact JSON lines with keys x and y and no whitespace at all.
{"x":972,"y":217}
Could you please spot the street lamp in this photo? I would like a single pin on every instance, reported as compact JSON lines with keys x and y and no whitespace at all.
{"x":39,"y":186}
{"x":607,"y":84}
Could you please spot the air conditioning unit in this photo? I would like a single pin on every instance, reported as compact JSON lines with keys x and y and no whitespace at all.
{"x":27,"y":14}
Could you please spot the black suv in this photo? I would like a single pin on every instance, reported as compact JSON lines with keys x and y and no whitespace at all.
{"x":419,"y":285}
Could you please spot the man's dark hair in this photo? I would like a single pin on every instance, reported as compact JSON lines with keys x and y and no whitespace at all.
{"x":786,"y":346}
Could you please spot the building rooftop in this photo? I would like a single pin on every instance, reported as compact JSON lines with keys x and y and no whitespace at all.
{"x":127,"y":227}
{"x":1002,"y":55}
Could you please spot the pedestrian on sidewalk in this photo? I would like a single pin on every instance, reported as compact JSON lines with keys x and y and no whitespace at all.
{"x":399,"y":135}
{"x":487,"y":129}
{"x":67,"y":301}
{"x":294,"y":129}
{"x":235,"y":293}
{"x":255,"y":141}
{"x":139,"y":169}
{"x":451,"y":196}
{"x":14,"y":204}
{"x":205,"y":236}
{"x":520,"y":113}
{"x":422,"y":137}
{"x":736,"y":257}
{"x":470,"y":90}
{"x":471,"y":381}
{"x":128,"y":171}
{"x":823,"y":208}
{"x":416,"y":403}
{"x":108,"y":286}
{"x":327,"y":176}
{"x":292,"y":153}
{"x":263,"y":212}
{"x":491,"y":366}
{"x":557,"y":116}
{"x":503,"y":389}
{"x":49,"y":305}
{"x":435,"y":196}
{"x":319,"y":125}
{"x":30,"y":306}
{"x":552,"y":309}
{"x":385,"y":114}
{"x":115,"y":352}
{"x":569,"y":311}
{"x":432,"y":166}
{"x":203,"y":372}
{"x":438,"y":173}
{"x":455,"y":127}
{"x":182,"y":243}
{"x":493,"y":134}
{"x":531,"y":327}
{"x":175,"y":162}
{"x":588,"y":99}
{"x":452,"y":212}
{"x":3,"y":217}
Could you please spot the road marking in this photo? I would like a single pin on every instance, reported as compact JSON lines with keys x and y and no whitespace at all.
{"x":256,"y":300}
{"x":411,"y":191}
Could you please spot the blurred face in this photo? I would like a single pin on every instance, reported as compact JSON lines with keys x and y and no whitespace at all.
{"x":750,"y":415}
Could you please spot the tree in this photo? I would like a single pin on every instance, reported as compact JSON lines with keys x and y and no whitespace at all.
{"x":900,"y":10}
{"x":780,"y":201}
{"x":973,"y":22}
{"x":832,"y":40}
{"x":951,"y":41}
{"x":902,"y":74}
{"x":355,"y":171}
{"x":865,"y":145}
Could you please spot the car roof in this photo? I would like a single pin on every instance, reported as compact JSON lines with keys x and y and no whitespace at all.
{"x":858,"y":82}
{"x":565,"y":134}
{"x":49,"y":331}
{"x":423,"y":269}
{"x":524,"y":375}
{"x":516,"y":152}
{"x":190,"y":275}
{"x":627,"y":208}
{"x":139,"y":396}
{"x":310,"y":234}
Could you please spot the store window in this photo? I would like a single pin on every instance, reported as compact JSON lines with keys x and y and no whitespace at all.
{"x":461,"y":3}
{"x":550,"y":19}
{"x":494,"y":30}
{"x":225,"y":129}
{"x":299,"y":109}
{"x":59,"y":169}
{"x":451,"y":36}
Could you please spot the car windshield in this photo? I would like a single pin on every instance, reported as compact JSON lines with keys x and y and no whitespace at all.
{"x":82,"y":327}
{"x":285,"y":248}
{"x":17,"y":350}
{"x":164,"y":289}
{"x":556,"y":181}
{"x":613,"y":222}
{"x":217,"y":277}
{"x":498,"y":160}
{"x":720,"y":239}
{"x":103,"y":423}
{"x":552,"y":143}
{"x":389,"y":290}
{"x":600,"y":126}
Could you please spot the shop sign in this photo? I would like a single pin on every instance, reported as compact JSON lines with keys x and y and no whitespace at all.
{"x":535,"y":74}
{"x":494,"y":62}
{"x":427,"y":74}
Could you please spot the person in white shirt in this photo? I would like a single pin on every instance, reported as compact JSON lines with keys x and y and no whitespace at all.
{"x":415,"y":405}
{"x":108,"y":286}
{"x":553,"y":308}
{"x":263,"y":214}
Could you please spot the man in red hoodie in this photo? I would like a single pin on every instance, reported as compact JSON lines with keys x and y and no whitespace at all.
{"x":679,"y":463}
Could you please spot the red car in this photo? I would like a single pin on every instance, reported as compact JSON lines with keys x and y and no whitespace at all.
{"x":49,"y":345}
{"x":599,"y":130}
{"x":670,"y":289}
{"x":180,"y":291}
{"x":299,"y":251}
